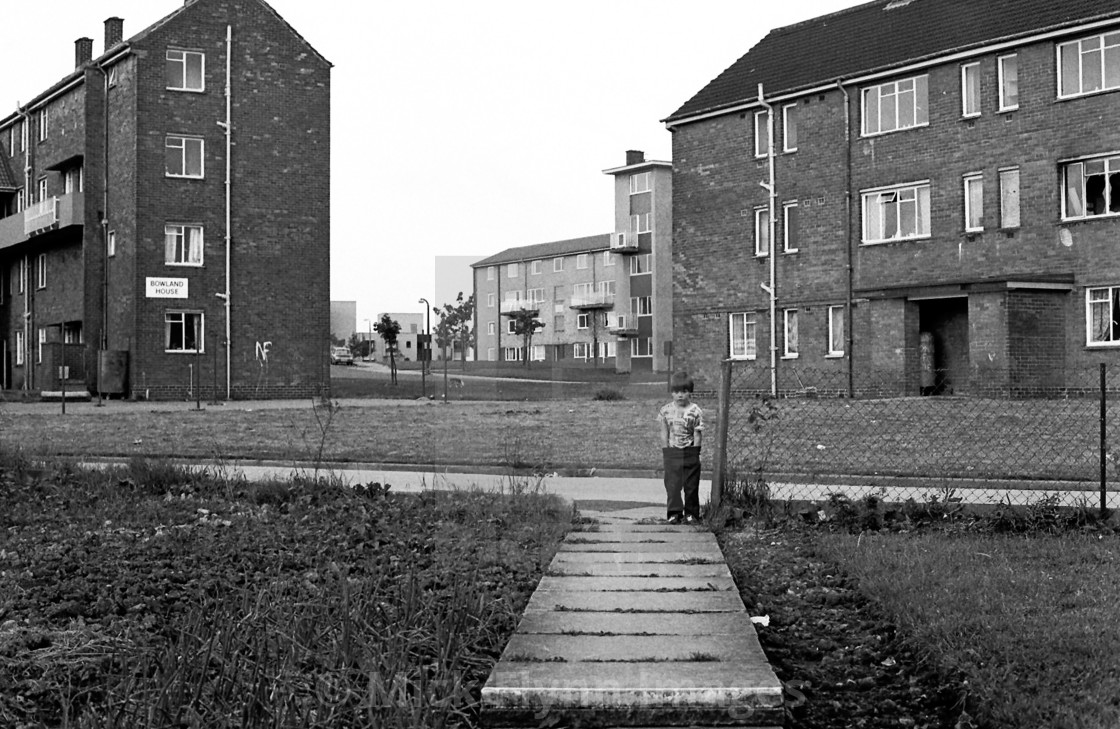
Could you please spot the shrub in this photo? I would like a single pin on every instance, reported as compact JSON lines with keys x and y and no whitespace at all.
{"x":608,"y":394}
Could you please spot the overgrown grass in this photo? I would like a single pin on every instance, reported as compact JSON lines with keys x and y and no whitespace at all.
{"x":154,"y":596}
{"x":1028,"y":622}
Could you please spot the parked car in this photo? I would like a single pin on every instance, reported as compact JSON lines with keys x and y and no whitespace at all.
{"x":341,"y":355}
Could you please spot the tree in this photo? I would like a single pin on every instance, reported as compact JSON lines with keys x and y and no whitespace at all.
{"x":462,"y":319}
{"x":525,"y":325}
{"x":354,"y":345}
{"x":388,"y":329}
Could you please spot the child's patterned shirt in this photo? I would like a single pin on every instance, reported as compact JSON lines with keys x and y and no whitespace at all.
{"x":683,"y":423}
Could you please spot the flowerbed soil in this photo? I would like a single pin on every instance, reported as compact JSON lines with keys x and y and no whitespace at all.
{"x":839,"y":658}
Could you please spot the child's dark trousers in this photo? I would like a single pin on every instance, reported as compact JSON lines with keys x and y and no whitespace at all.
{"x":682,"y":475}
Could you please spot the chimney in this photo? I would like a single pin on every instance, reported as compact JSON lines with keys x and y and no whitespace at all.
{"x":83,"y":51}
{"x":114,"y":32}
{"x":635,"y":157}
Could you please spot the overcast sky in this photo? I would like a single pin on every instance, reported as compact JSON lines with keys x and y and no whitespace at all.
{"x":460,"y":128}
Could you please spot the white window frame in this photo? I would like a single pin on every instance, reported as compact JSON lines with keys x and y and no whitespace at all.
{"x":877,"y":196}
{"x":786,"y":243}
{"x":513,"y":354}
{"x":535,"y":296}
{"x":557,"y":264}
{"x":512,"y":270}
{"x":1008,"y":81}
{"x":184,"y":144}
{"x":583,"y":320}
{"x":536,"y":353}
{"x":1109,"y":166}
{"x":641,"y":306}
{"x":41,"y":271}
{"x":970,"y":90}
{"x":19,"y":348}
{"x":581,"y":350}
{"x":581,"y":260}
{"x":640,"y":223}
{"x":1009,"y":212}
{"x":536,"y":267}
{"x":836,"y":319}
{"x":511,"y":327}
{"x":184,"y":315}
{"x":762,"y":242}
{"x":790,"y":326}
{"x":41,"y":188}
{"x":491,"y":300}
{"x":973,"y":202}
{"x":490,"y":273}
{"x":636,"y":264}
{"x":1109,"y":296}
{"x":641,"y":347}
{"x":607,"y":349}
{"x":747,"y":329}
{"x":639,"y":183}
{"x":915,"y":86}
{"x":179,"y":246}
{"x":21,"y":200}
{"x":762,"y":141}
{"x":1106,"y":44}
{"x":491,"y":328}
{"x":42,"y":339}
{"x":43,"y":122}
{"x":22,"y":267}
{"x":789,"y":112}
{"x":24,"y":135}
{"x":183,"y":63}
{"x":608,"y":259}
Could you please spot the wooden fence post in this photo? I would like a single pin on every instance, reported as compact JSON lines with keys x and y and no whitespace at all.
{"x":719,"y":461}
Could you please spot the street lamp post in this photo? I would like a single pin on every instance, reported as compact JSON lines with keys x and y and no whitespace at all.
{"x":425,"y":352}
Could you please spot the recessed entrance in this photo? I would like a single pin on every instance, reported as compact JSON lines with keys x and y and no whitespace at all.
{"x":943,"y":345}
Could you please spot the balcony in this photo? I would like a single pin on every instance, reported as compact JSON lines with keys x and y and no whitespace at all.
{"x":597,"y":300}
{"x":626,"y":242}
{"x":52,"y":214}
{"x":510,"y":308}
{"x":622,"y":325}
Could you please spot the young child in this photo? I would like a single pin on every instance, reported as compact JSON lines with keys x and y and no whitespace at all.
{"x":682,"y":430}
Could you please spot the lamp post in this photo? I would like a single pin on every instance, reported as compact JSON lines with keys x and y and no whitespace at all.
{"x":425,"y":352}
{"x":369,"y":341}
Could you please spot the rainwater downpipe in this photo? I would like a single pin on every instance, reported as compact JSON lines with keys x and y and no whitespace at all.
{"x":772,"y":288}
{"x":227,"y":125}
{"x":103,"y":336}
{"x":849,"y":344}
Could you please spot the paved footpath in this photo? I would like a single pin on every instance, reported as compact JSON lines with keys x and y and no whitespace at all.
{"x":635,"y":624}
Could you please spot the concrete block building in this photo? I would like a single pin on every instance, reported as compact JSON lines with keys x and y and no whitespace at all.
{"x":603,"y":299}
{"x":164,"y":213}
{"x":929,"y":188}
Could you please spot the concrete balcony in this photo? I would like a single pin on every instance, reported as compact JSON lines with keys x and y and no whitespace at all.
{"x":597,"y":300}
{"x":512,"y":307}
{"x":626,"y":242}
{"x":52,"y":214}
{"x":622,"y":325}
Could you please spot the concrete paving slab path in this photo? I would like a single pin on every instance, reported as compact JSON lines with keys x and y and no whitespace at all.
{"x":636,"y":625}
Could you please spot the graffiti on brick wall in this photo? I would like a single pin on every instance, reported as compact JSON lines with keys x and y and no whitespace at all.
{"x":263,"y":350}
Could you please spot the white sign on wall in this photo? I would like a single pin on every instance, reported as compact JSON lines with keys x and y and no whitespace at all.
{"x":167,"y":288}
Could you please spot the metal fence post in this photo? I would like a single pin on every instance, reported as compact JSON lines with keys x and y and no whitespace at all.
{"x":1104,"y":444}
{"x":719,"y":462}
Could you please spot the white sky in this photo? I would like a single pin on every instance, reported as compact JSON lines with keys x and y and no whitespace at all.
{"x":460,"y":128}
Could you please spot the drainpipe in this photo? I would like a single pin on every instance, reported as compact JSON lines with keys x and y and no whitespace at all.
{"x":227,"y":125}
{"x":772,"y":287}
{"x":848,"y":227}
{"x":103,"y":338}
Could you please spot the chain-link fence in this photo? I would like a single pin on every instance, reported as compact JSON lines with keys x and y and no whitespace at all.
{"x":821,"y":437}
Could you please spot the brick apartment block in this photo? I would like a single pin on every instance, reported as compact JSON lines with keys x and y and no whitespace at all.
{"x":946,"y":199}
{"x":118,"y":243}
{"x":603,"y":299}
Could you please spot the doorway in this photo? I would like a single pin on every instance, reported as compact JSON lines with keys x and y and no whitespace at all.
{"x":943,"y":345}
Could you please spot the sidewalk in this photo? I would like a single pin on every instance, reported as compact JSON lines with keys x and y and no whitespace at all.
{"x":634,"y":624}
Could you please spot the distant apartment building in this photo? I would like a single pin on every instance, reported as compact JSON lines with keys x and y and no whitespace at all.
{"x":411,"y":326}
{"x":165,"y":209}
{"x":603,"y":299}
{"x":344,"y":319}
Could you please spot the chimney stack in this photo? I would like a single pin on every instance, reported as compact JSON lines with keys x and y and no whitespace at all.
{"x":635,"y":157}
{"x":83,"y":51}
{"x":114,"y":32}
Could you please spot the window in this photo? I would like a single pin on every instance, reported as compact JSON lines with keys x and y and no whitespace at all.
{"x":185,"y":70}
{"x":582,"y":290}
{"x":513,"y":354}
{"x":743,"y":332}
{"x":22,"y":274}
{"x":182,"y":245}
{"x":535,"y":295}
{"x":41,"y":271}
{"x":1092,"y":187}
{"x":1088,"y":65}
{"x":835,"y":331}
{"x":639,"y":183}
{"x":607,"y":349}
{"x":641,"y":264}
{"x":491,"y":328}
{"x":39,"y":348}
{"x":789,"y":128}
{"x":1009,"y":198}
{"x":511,"y":270}
{"x":42,"y":186}
{"x":897,"y":105}
{"x":583,"y":321}
{"x":789,"y":227}
{"x":789,"y":317}
{"x":536,"y":267}
{"x":762,"y":231}
{"x":72,"y":181}
{"x":896,"y":214}
{"x":536,"y":354}
{"x":605,"y":289}
{"x":558,"y":264}
{"x":42,"y":118}
{"x":970,"y":89}
{"x":641,"y":347}
{"x":21,"y":203}
{"x":581,"y":350}
{"x":640,"y":223}
{"x":183,"y":156}
{"x":608,"y":258}
{"x":511,"y":326}
{"x":761,"y":133}
{"x":1008,"y":70}
{"x":581,"y":260}
{"x":184,"y":331}
{"x":974,"y":202}
{"x":490,"y":273}
{"x":19,"y":348}
{"x":491,"y":300}
{"x":558,"y":323}
{"x":1103,"y":316}
{"x":24,"y":129}
{"x":641,"y":305}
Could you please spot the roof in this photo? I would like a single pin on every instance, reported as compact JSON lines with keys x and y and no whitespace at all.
{"x":548,"y":250}
{"x":7,"y":179}
{"x":881,"y":35}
